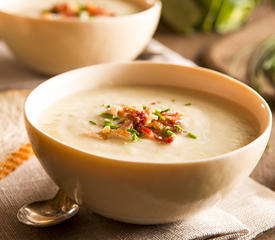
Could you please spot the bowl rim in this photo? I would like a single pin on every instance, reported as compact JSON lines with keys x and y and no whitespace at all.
{"x":156,"y":5}
{"x":259,"y":138}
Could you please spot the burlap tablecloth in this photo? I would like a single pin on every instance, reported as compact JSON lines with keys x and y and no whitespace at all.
{"x":248,"y":211}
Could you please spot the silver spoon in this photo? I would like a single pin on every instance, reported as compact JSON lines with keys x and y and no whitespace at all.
{"x":49,"y":212}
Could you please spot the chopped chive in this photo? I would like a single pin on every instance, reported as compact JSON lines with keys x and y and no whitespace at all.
{"x":116,"y":118}
{"x":92,"y":122}
{"x":114,"y":126}
{"x":158,"y":113}
{"x":132,"y":130}
{"x":107,"y":122}
{"x":178,"y":128}
{"x":144,"y":107}
{"x":46,"y":11}
{"x":134,"y":133}
{"x":166,"y":110}
{"x":191,"y":135}
{"x":135,"y":138}
{"x":173,"y":100}
{"x":108,"y":106}
{"x":107,"y":115}
{"x":142,"y":134}
{"x":81,"y":7}
{"x":54,"y":10}
{"x":188,"y":104}
{"x":125,"y":121}
{"x":167,"y":132}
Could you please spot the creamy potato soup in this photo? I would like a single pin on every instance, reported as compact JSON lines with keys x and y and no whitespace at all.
{"x":148,"y":123}
{"x":83,"y":9}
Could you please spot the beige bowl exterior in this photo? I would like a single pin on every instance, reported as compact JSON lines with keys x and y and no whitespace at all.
{"x":140,"y":192}
{"x":56,"y":46}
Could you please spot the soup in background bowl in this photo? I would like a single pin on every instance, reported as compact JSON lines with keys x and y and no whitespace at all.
{"x":87,"y":9}
{"x":55,"y":44}
{"x":147,"y":143}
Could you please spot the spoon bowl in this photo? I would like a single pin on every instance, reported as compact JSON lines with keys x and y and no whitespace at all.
{"x":49,"y":212}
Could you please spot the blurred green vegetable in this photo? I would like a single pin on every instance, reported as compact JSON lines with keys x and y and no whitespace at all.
{"x":269,"y":66}
{"x":261,"y":69}
{"x":181,"y":15}
{"x":232,"y":14}
{"x":210,"y":15}
{"x":221,"y":16}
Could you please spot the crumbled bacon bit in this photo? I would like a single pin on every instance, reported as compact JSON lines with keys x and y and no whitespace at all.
{"x":137,"y":121}
{"x":169,"y":140}
{"x":97,"y":11}
{"x":146,"y":131}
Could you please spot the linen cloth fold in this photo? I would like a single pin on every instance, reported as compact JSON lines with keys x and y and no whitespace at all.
{"x":246,"y":212}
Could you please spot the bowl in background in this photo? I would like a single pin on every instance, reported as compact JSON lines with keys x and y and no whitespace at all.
{"x":145,"y":192}
{"x":58,"y":45}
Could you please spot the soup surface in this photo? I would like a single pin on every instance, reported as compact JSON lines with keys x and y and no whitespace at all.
{"x":210,"y":125}
{"x":114,"y":7}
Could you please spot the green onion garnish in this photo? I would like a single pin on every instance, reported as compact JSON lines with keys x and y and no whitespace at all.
{"x":46,"y":11}
{"x":114,"y":126}
{"x":178,"y":128}
{"x":107,"y":123}
{"x":135,"y":138}
{"x":144,"y":107}
{"x":166,"y":110}
{"x":81,"y":7}
{"x":142,"y":134}
{"x":188,"y":104}
{"x":158,"y":113}
{"x":167,"y":132}
{"x":107,"y":115}
{"x":110,"y":116}
{"x":191,"y":135}
{"x":132,"y":130}
{"x":108,"y":106}
{"x":92,"y":122}
{"x":134,"y":133}
{"x":116,"y":118}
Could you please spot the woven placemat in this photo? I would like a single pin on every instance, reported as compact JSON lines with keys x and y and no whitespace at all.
{"x":14,"y":149}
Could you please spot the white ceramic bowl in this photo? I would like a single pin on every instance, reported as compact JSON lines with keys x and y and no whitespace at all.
{"x":55,"y":46}
{"x":144,"y":192}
